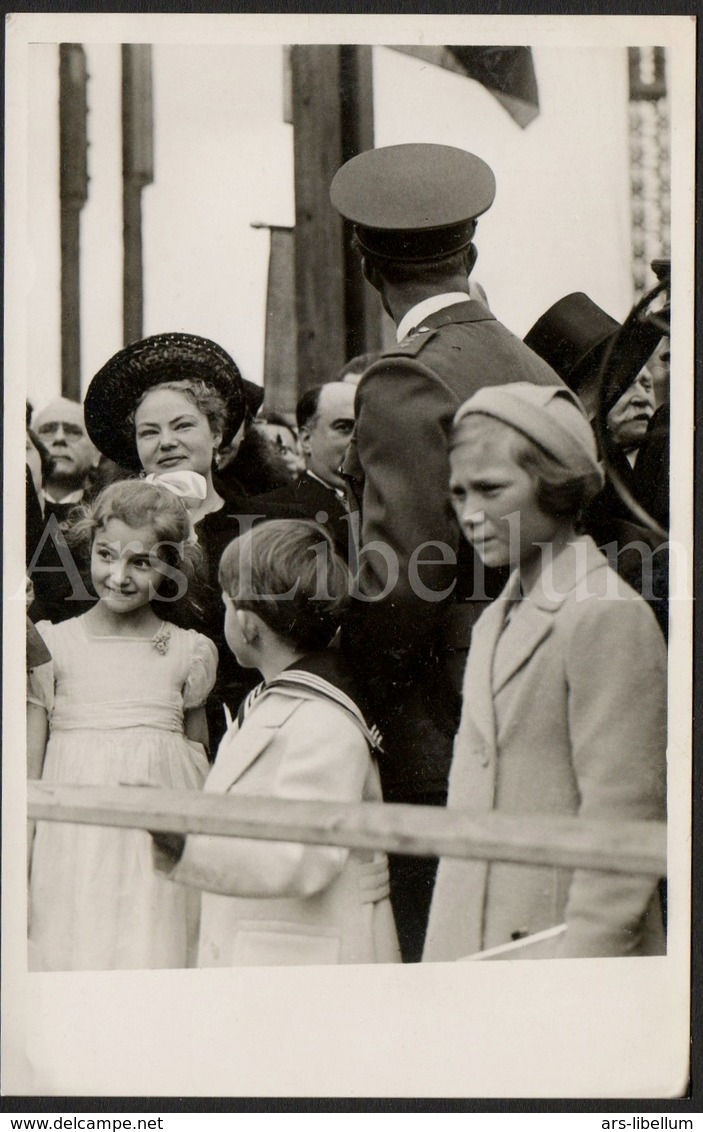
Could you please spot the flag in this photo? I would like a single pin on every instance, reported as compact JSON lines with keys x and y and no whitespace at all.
{"x":507,"y":72}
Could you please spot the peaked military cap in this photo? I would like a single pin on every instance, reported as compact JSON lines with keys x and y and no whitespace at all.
{"x":413,"y":202}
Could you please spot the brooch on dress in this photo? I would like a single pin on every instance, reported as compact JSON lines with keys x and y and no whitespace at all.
{"x":162,"y":640}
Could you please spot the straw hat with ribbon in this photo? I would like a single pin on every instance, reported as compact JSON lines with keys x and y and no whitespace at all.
{"x":116,"y":389}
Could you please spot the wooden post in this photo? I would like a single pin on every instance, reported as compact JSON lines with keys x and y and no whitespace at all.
{"x":73,"y":191}
{"x":137,"y":171}
{"x":363,"y":311}
{"x":337,"y":314}
{"x":319,"y":247}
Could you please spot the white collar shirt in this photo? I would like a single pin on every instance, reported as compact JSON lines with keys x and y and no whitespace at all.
{"x":414,"y":317}
{"x":72,"y":497}
{"x":338,"y":491}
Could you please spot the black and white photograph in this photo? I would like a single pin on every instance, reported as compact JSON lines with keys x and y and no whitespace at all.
{"x":357,"y":379}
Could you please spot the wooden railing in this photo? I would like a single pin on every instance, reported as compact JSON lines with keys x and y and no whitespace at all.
{"x":572,"y":842}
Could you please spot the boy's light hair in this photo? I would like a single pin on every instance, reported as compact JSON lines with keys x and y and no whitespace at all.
{"x":288,"y":572}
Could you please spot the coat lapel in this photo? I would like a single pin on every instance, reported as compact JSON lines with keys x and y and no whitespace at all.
{"x":353,"y":475}
{"x":535,"y":625}
{"x":534,"y":617}
{"x":237,"y":751}
{"x":478,"y":693}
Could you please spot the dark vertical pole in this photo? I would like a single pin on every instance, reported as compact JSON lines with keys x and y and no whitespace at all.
{"x":137,"y":171}
{"x":319,"y":240}
{"x":338,"y":314}
{"x":73,"y":191}
{"x":363,"y":308}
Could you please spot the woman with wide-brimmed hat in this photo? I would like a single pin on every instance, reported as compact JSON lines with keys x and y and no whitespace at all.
{"x":164,"y":407}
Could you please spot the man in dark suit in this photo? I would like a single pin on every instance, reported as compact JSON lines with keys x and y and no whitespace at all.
{"x":325,"y":416}
{"x":575,"y":336}
{"x":59,"y":591}
{"x":414,"y":210}
{"x":61,"y":429}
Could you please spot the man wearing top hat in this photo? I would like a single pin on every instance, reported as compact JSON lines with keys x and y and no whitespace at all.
{"x":574,"y":336}
{"x":414,"y":209}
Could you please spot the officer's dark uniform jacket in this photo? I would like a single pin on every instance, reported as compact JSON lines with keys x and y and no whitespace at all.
{"x":408,"y":650}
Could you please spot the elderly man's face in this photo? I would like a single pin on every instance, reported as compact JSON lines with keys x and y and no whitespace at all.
{"x":629,"y":417}
{"x":61,"y":429}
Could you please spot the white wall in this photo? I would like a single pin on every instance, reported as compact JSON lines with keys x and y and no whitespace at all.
{"x":44,"y":305}
{"x":560,"y":221}
{"x":223,"y":158}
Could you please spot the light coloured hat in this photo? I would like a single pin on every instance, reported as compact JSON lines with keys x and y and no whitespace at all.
{"x":548,"y":415}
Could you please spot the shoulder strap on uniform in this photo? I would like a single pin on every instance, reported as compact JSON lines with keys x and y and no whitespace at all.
{"x":410,"y":347}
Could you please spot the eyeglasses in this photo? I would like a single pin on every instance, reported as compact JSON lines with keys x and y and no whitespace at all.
{"x":52,"y":427}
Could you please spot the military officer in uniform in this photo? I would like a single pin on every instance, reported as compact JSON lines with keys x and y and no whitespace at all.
{"x":414,"y":209}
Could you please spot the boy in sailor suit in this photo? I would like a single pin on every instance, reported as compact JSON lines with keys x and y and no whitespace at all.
{"x":301,"y":735}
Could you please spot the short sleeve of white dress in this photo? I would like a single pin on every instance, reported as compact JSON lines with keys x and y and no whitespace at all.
{"x":40,"y":680}
{"x":203,"y":670}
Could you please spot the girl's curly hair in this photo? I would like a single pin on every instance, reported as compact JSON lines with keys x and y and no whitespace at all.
{"x":139,"y":504}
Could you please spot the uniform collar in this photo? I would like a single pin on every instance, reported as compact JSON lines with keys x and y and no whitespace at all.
{"x":425,"y":308}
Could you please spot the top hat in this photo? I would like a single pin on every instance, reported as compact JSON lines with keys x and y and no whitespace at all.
{"x":573,"y":337}
{"x":116,"y":389}
{"x":414,"y":202}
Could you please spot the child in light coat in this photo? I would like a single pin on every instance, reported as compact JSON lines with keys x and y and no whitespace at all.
{"x":564,"y":691}
{"x":300,"y":735}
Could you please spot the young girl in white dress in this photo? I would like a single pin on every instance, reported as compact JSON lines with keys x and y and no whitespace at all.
{"x":121,"y":702}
